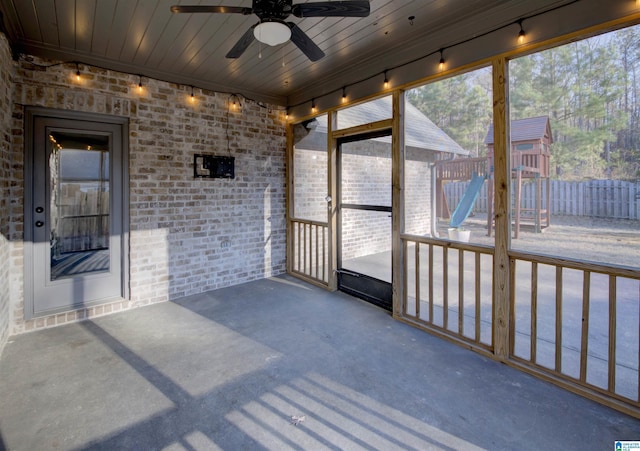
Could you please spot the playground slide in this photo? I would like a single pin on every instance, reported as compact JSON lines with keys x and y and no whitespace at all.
{"x":464,"y":207}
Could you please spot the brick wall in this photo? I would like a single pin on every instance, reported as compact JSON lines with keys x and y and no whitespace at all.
{"x":310,"y":184}
{"x":187,"y":235}
{"x":366,"y":179}
{"x":417,"y":191}
{"x":6,"y":69}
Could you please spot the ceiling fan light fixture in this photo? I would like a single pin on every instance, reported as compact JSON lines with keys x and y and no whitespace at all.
{"x":272,"y":33}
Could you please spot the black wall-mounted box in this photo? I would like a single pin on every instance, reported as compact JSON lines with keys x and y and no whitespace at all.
{"x":213,"y":167}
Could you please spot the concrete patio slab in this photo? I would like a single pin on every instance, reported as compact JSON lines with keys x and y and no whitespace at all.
{"x":229,"y":369}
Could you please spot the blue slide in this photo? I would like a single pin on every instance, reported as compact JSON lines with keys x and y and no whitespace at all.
{"x":464,"y":207}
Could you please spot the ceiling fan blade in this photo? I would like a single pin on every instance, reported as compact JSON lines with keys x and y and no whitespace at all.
{"x":242,"y":44}
{"x":353,"y":8}
{"x":304,"y":43}
{"x":211,"y":9}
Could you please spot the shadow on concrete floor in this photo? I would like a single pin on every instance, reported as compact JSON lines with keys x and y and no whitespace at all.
{"x":229,"y":369}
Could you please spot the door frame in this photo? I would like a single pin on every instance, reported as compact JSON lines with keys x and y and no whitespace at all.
{"x":364,"y":286}
{"x":31,"y":113}
{"x":396,"y":123}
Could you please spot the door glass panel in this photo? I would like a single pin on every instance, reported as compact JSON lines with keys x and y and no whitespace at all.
{"x":79,"y":203}
{"x":366,"y":243}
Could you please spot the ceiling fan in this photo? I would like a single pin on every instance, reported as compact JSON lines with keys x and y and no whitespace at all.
{"x":272,"y":28}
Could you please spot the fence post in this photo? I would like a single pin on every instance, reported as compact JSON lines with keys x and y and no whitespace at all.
{"x":630,"y":201}
{"x":553,"y":208}
{"x":636,"y":201}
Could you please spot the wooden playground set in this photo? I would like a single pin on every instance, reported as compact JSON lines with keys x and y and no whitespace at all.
{"x":530,"y":154}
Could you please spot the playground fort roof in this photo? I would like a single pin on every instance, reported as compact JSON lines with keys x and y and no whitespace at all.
{"x":529,"y":129}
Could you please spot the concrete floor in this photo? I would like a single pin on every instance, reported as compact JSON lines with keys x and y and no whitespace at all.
{"x":627,"y":312}
{"x":228,"y":369}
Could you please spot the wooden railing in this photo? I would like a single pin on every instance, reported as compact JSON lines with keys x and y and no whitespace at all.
{"x":531,"y":164}
{"x":438,"y":294}
{"x":574,"y":323}
{"x":310,"y":250}
{"x":461,"y":168}
{"x":578,"y":322}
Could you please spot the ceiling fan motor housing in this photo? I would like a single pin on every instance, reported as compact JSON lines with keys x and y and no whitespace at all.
{"x":272,"y":9}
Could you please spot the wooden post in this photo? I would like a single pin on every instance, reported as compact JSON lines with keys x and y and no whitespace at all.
{"x":534,"y":313}
{"x":442,"y":206}
{"x":478,"y":291}
{"x":445,"y":287}
{"x":430,"y":283}
{"x":304,"y":248}
{"x":332,"y":214}
{"x":559,"y":278}
{"x":289,"y":196}
{"x":584,"y":342}
{"x":397,"y":202}
{"x":611,"y":360}
{"x":461,"y":292}
{"x":502,"y":182}
{"x":417,"y":276}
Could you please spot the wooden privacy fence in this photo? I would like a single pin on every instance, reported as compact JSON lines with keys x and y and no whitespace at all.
{"x":80,"y":221}
{"x":616,"y":199}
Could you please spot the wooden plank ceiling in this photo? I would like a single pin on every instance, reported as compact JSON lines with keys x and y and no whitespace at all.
{"x":144,"y":37}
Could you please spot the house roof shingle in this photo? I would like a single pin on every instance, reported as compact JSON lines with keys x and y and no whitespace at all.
{"x":420,"y":131}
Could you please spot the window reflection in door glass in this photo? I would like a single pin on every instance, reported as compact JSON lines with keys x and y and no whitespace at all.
{"x":79,"y":203}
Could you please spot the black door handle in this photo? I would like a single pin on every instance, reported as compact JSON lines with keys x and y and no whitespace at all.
{"x":39,"y":209}
{"x":39,"y":223}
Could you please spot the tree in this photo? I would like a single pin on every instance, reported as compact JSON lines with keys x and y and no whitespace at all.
{"x":589,"y":90}
{"x":460,"y":106}
{"x":578,"y":88}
